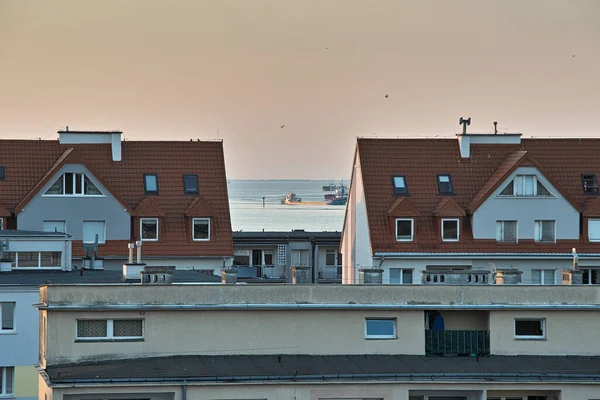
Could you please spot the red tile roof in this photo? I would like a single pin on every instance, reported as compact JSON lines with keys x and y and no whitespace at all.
{"x":562,"y":161}
{"x":29,"y":164}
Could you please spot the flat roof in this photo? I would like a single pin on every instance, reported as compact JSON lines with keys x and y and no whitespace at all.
{"x":23,"y":233}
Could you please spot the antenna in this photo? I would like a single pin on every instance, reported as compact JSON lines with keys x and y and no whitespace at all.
{"x":464,"y":122}
{"x":495,"y":127}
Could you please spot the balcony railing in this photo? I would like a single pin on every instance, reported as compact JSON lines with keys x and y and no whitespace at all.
{"x":460,"y":277}
{"x":457,"y":343}
{"x":260,"y":271}
{"x":330,"y":272}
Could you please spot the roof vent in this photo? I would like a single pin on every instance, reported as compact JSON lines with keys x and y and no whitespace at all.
{"x":93,"y":137}
{"x":157,"y":275}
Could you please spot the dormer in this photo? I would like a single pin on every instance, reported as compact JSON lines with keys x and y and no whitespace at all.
{"x":448,"y":219}
{"x":402,"y":216}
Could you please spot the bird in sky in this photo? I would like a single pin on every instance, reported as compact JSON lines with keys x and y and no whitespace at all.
{"x":282,"y":126}
{"x":386,"y":96}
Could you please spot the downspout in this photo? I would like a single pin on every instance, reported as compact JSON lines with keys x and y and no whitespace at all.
{"x":183,"y":392}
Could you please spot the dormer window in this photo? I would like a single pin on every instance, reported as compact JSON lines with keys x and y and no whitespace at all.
{"x":399,"y":182}
{"x":73,"y":184}
{"x":150,"y":184}
{"x":405,"y":229}
{"x":444,"y":184}
{"x":190,"y":184}
{"x":590,"y":186}
{"x":525,"y":186}
{"x":1,"y":172}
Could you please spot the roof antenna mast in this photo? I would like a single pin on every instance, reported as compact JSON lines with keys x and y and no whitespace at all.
{"x":495,"y":127}
{"x":464,"y":122}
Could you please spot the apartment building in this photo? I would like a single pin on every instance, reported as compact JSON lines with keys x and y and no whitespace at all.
{"x":19,"y":333}
{"x":168,"y":196}
{"x":270,"y":256}
{"x":315,"y":342}
{"x":433,"y":211}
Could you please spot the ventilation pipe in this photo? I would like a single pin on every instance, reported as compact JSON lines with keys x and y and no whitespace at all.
{"x":130,"y":258}
{"x":139,"y":251}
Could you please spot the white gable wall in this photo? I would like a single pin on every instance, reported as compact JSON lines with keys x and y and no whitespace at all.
{"x":526,"y":210}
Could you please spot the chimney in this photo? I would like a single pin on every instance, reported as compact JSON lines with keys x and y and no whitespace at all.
{"x":93,"y":137}
{"x":301,"y":275}
{"x":370,"y":276}
{"x":465,"y":140}
{"x":157,"y":275}
{"x":228,"y":276}
{"x":131,"y":269}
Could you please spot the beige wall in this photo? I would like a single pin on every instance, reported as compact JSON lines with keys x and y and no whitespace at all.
{"x":567,"y":333}
{"x":237,"y":332}
{"x":387,"y":391}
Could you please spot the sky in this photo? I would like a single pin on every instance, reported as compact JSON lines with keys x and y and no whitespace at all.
{"x":239,"y":70}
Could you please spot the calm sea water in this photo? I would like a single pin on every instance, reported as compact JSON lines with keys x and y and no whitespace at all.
{"x":248,"y":213}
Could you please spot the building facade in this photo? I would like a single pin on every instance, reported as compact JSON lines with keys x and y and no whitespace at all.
{"x":318,"y":342}
{"x":430,"y":211}
{"x":170,"y":197}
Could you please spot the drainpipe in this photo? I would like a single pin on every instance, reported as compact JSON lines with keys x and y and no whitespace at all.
{"x":183,"y":392}
{"x":139,"y":251}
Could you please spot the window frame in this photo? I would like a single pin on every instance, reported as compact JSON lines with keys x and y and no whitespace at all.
{"x":530,"y":337}
{"x":399,"y":191}
{"x":595,"y":182}
{"x":542,"y":276}
{"x":502,"y":230}
{"x":401,"y":275}
{"x":539,"y":226}
{"x":54,"y":221}
{"x":74,"y":194}
{"x":590,"y":220}
{"x":457,"y":220}
{"x":191,"y":192}
{"x":451,"y":192}
{"x":110,"y":333}
{"x":3,"y":381}
{"x":14,"y":319}
{"x":412,"y":229}
{"x":535,"y":194}
{"x":393,"y":336}
{"x":141,"y":230}
{"x":194,"y":230}
{"x":82,"y":231}
{"x":150,"y":192}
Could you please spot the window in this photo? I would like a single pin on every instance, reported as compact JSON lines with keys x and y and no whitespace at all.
{"x":399,"y":183}
{"x":73,"y":184}
{"x":330,"y":257}
{"x":404,"y":229}
{"x":149,"y":229}
{"x":544,"y":231}
{"x":268,"y":258}
{"x":530,"y":328}
{"x":445,"y":184}
{"x":2,"y":176}
{"x":380,"y":328}
{"x":506,"y":231}
{"x":35,"y":259}
{"x":450,"y":232}
{"x":300,"y":258}
{"x":150,"y":183}
{"x":543,"y":277}
{"x":401,"y":276}
{"x":112,"y":329}
{"x":54,"y":226}
{"x":93,"y":228}
{"x":201,"y":229}
{"x":591,"y":276}
{"x":1,"y":223}
{"x":7,"y":381}
{"x":7,"y":317}
{"x":594,"y":230}
{"x":590,"y":186}
{"x":190,"y":184}
{"x":525,"y":186}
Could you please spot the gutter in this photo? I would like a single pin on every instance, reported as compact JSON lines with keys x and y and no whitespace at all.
{"x":543,"y":256}
{"x":304,"y":306}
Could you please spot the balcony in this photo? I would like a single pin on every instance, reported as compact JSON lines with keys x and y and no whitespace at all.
{"x":260,"y":271}
{"x":457,"y":343}
{"x":458,"y":277}
{"x":330,"y":273}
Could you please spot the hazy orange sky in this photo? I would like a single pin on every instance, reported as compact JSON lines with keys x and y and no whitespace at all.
{"x":189,"y":69}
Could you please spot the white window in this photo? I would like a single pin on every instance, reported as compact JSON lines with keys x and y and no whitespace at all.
{"x":543,"y":277}
{"x":594,"y":230}
{"x":35,"y":259}
{"x":300,"y":258}
{"x":7,"y":376}
{"x":73,"y":184}
{"x":450,"y":230}
{"x":404,"y":229}
{"x":530,"y":328}
{"x":545,"y":231}
{"x":93,"y":228}
{"x":591,"y":276}
{"x":380,"y":328}
{"x":149,"y":229}
{"x":112,"y":329}
{"x":201,"y":229}
{"x":54,"y":226}
{"x":401,"y":276}
{"x":7,"y":317}
{"x":525,"y":186}
{"x":506,"y":231}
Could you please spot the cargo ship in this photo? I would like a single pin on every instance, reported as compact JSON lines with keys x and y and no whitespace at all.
{"x":291,"y":198}
{"x":339,"y":197}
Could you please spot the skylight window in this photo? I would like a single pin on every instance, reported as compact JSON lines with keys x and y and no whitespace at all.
{"x":399,"y":182}
{"x":151,"y":184}
{"x":445,"y":184}
{"x":73,"y":184}
{"x":525,"y":186}
{"x":590,"y":186}
{"x":1,"y":172}
{"x":190,"y":184}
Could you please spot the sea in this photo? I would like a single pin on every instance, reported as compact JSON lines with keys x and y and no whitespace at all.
{"x":248,"y":213}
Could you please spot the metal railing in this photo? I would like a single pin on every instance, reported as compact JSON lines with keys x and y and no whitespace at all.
{"x":457,"y":343}
{"x":260,"y":271}
{"x":330,"y":272}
